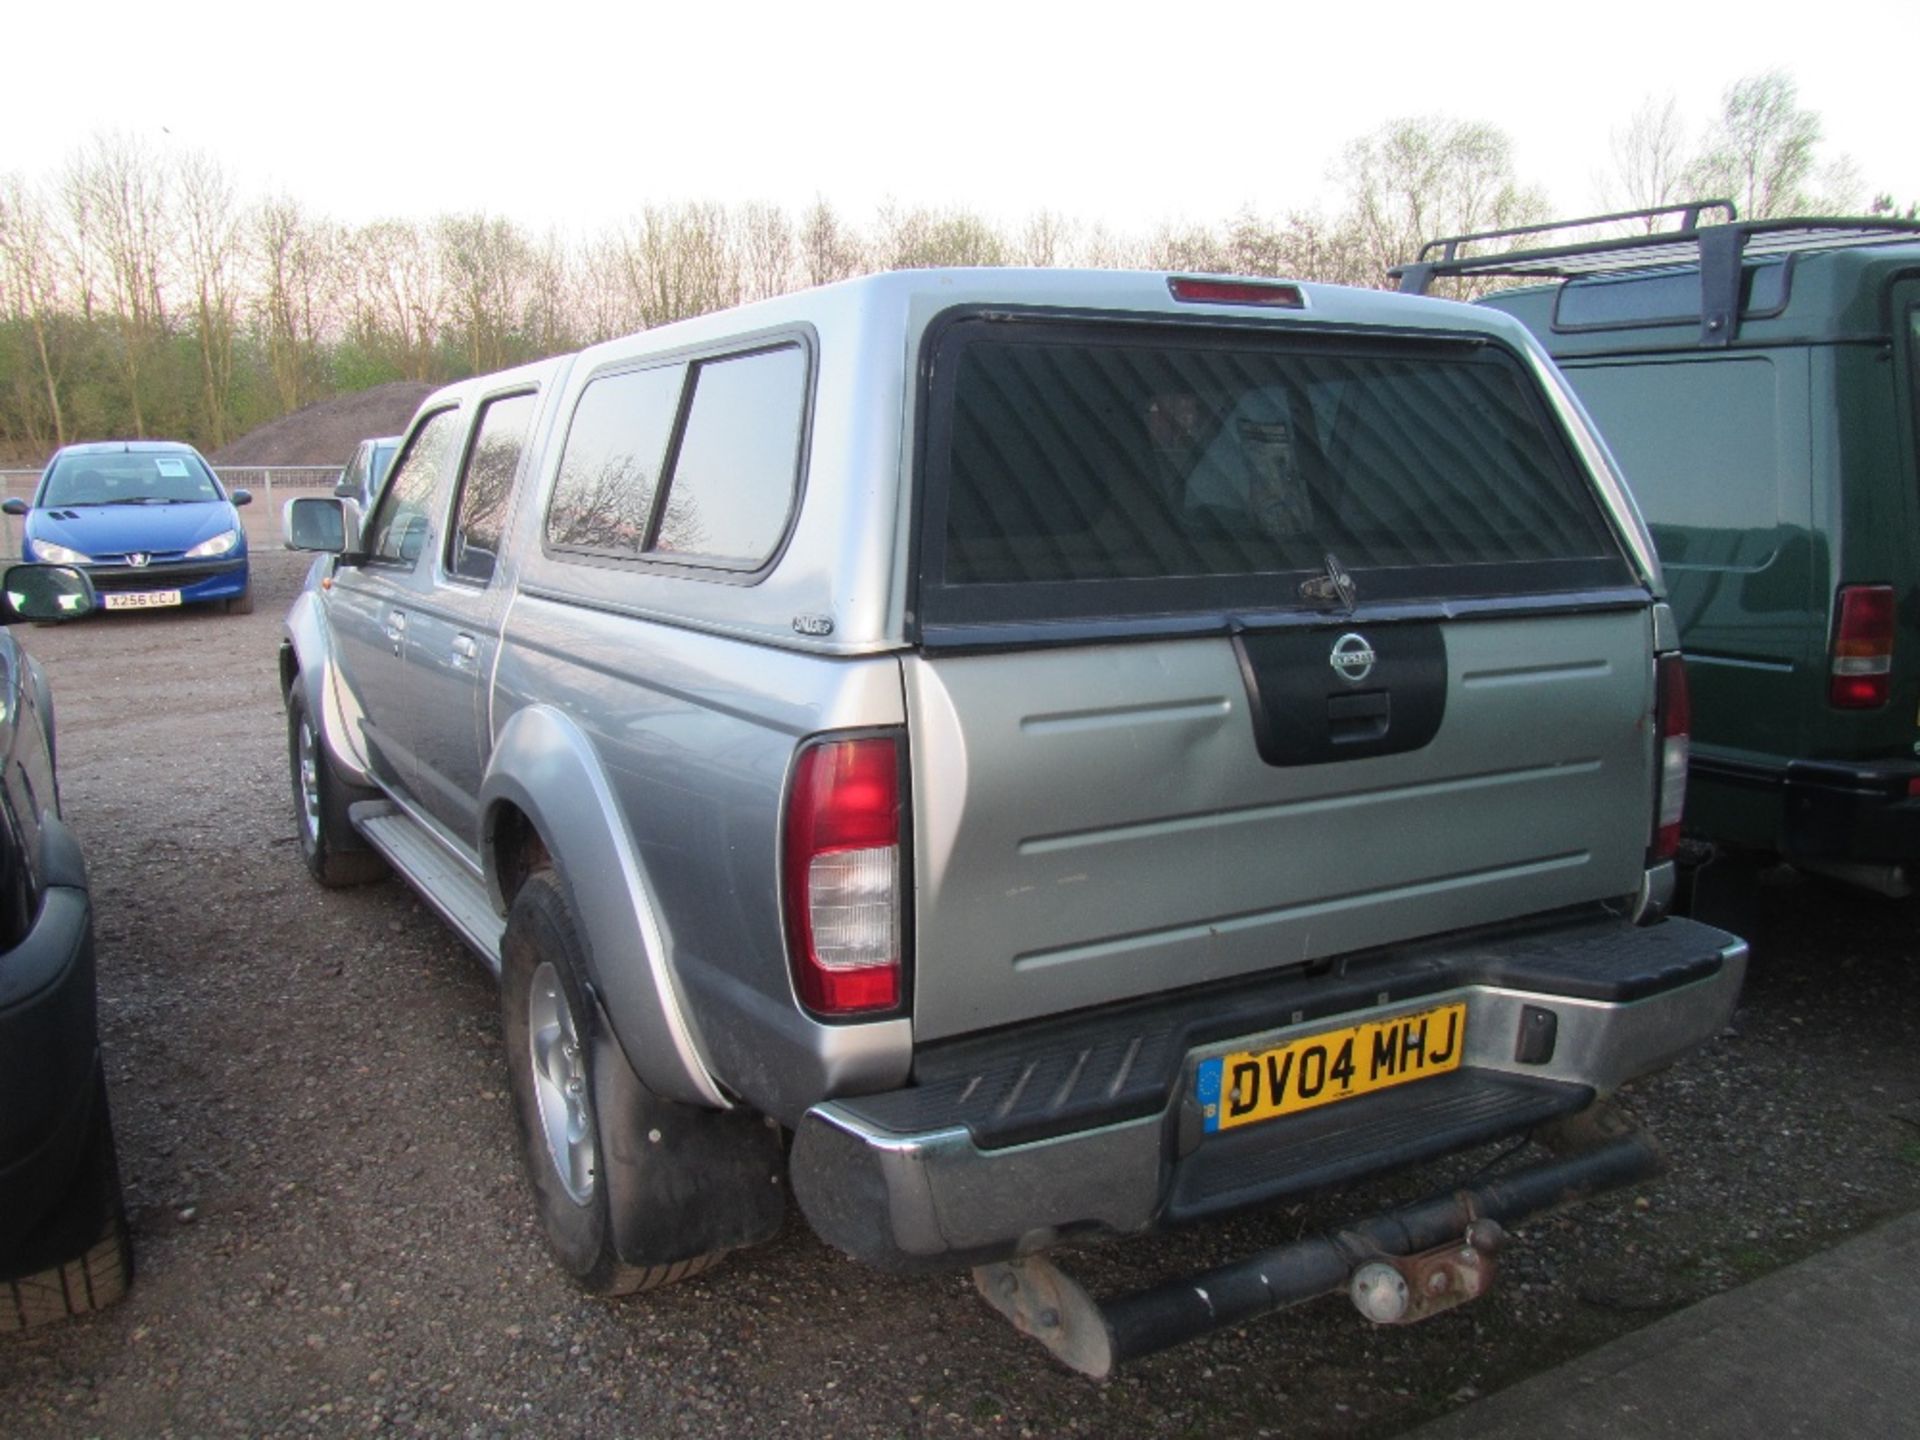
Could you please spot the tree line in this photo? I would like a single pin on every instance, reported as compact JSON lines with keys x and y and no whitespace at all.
{"x":144,"y":296}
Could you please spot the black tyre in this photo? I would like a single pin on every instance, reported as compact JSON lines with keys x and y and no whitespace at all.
{"x":333,"y":849}
{"x":551,"y":1059}
{"x":80,"y":1259}
{"x":242,"y":604}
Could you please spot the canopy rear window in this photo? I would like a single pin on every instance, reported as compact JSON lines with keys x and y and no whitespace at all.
{"x":1087,"y":470}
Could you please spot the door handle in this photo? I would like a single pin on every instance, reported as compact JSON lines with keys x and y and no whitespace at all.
{"x":397,"y":629}
{"x":464,"y":649}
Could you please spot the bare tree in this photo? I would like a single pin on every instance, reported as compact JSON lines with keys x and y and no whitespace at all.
{"x":488,"y":269}
{"x":1188,"y":247}
{"x":30,"y":290}
{"x":400,"y":299}
{"x":765,"y":247}
{"x":1648,"y":161}
{"x":1761,"y":148}
{"x":679,"y":263}
{"x":210,"y":238}
{"x":606,"y":292}
{"x":118,"y":206}
{"x":1047,"y":240}
{"x":829,"y":250}
{"x":549,"y":323}
{"x":296,"y":301}
{"x":1101,"y":249}
{"x":919,"y":238}
{"x":1416,"y":180}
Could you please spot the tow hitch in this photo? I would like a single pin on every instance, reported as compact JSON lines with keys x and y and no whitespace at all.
{"x":1400,"y":1289}
{"x":1398,"y":1267}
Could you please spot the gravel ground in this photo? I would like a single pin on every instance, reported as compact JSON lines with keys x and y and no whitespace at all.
{"x":333,"y":1235}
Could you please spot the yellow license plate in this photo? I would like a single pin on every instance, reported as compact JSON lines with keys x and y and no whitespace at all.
{"x":1253,"y":1085}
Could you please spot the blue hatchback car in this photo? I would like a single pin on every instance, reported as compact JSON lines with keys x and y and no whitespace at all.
{"x":146,"y":519}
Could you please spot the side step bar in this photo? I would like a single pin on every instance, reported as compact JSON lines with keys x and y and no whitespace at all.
{"x":1094,"y":1337}
{"x":449,"y":887}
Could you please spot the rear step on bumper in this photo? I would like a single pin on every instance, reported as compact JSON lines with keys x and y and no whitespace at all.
{"x":921,"y":1178}
{"x":1093,"y":1337}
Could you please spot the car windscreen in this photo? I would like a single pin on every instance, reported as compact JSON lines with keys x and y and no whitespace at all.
{"x":382,"y":459}
{"x":127,"y":478}
{"x":1077,"y":470}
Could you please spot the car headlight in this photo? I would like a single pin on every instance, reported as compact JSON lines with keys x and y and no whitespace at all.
{"x":51,"y":554}
{"x":218,"y":545}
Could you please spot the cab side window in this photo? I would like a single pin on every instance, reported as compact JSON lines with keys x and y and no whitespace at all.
{"x":401,"y":525}
{"x":486,"y":482}
{"x":603,"y":500}
{"x":733,"y":477}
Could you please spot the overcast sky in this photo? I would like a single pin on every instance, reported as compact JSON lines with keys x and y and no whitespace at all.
{"x":575,"y":114}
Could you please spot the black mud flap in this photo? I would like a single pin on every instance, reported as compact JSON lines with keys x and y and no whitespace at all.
{"x":682,"y":1181}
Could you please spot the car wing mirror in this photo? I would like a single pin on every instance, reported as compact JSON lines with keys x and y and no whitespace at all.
{"x":325,"y":523}
{"x":13,"y":505}
{"x":241,"y":497}
{"x":47,"y":592}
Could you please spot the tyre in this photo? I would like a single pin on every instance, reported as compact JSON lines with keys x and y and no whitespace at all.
{"x":242,"y":604}
{"x":91,"y":1260}
{"x":551,"y":1059}
{"x":333,"y":850}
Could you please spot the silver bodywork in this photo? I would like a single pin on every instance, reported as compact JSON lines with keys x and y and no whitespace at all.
{"x":1090,"y":823}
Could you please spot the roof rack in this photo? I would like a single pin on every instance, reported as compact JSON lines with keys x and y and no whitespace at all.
{"x":1718,"y":249}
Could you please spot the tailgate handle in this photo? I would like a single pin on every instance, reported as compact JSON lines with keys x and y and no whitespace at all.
{"x":1358,"y":717}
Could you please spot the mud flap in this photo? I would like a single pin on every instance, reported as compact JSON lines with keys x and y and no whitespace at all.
{"x":681,"y":1181}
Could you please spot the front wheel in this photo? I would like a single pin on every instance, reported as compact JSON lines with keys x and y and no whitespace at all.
{"x":551,"y":1058}
{"x":242,"y":604}
{"x":84,"y":1253}
{"x":333,"y":850}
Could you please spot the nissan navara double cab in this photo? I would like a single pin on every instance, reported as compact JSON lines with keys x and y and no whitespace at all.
{"x":1014,"y":758}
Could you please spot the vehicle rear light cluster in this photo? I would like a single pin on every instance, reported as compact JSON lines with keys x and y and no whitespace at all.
{"x":1195,"y":290}
{"x":1862,"y":648}
{"x":1673,"y":718}
{"x":843,"y":873}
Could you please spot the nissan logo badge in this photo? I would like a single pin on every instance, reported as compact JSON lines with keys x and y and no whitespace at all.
{"x":1352,"y":658}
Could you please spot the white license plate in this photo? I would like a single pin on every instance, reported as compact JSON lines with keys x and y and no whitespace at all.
{"x":141,"y":599}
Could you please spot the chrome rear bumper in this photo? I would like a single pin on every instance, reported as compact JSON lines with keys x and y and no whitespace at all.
{"x":934,"y":1196}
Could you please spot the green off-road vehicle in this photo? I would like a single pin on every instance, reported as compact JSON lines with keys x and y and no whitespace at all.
{"x":1757,"y":382}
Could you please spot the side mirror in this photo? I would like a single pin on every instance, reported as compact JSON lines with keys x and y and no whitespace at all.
{"x":13,"y":505}
{"x":241,"y":497}
{"x":47,"y":592}
{"x":325,"y":523}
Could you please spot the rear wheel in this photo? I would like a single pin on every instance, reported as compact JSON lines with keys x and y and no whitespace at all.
{"x":333,"y":850}
{"x":551,"y":1056}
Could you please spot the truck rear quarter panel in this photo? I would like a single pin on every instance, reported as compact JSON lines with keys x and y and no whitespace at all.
{"x":695,"y":734}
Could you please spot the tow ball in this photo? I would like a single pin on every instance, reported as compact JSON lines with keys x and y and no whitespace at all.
{"x":1404,"y":1289}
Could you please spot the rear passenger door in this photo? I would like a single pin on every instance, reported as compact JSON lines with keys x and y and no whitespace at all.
{"x":454,"y":631}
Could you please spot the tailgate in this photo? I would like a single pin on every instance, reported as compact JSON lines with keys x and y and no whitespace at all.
{"x":1098,"y":823}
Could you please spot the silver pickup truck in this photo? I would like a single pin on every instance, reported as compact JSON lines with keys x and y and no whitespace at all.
{"x":1018,"y":757}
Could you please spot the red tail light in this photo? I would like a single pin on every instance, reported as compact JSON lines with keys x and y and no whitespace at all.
{"x":1862,"y":648}
{"x":1673,"y":723}
{"x":842,"y":872}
